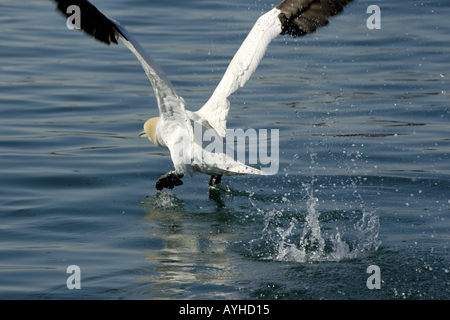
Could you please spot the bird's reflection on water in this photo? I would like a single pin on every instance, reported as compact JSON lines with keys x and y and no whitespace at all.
{"x":187,"y":255}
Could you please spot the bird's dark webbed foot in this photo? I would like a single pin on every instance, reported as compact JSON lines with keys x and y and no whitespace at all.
{"x":169,"y":181}
{"x":215,"y":179}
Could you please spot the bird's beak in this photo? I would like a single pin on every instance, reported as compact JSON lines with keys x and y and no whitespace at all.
{"x":142,"y":134}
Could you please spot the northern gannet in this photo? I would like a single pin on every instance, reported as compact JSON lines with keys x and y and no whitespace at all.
{"x":174,"y":128}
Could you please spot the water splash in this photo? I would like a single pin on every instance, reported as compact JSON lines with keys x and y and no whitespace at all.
{"x":304,"y":239}
{"x":164,"y":200}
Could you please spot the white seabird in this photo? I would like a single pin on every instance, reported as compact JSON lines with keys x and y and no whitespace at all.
{"x":174,"y":128}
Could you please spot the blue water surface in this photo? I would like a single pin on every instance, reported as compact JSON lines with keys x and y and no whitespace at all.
{"x":364,"y":122}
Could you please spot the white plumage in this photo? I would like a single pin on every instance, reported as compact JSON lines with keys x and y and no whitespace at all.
{"x":241,"y":67}
{"x":174,"y":128}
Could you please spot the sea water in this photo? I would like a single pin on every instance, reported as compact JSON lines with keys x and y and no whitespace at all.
{"x":363,"y":177}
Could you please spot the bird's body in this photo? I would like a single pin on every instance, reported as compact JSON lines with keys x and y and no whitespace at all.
{"x":182,"y":131}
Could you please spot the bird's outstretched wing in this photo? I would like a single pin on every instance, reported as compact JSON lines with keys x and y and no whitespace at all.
{"x":170,"y":104}
{"x":294,"y":17}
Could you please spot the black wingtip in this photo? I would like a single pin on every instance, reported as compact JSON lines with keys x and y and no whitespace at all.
{"x":93,"y":22}
{"x":300,"y":17}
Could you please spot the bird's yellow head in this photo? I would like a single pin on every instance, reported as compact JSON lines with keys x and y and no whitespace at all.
{"x":150,"y":130}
